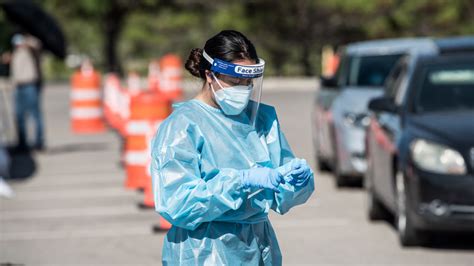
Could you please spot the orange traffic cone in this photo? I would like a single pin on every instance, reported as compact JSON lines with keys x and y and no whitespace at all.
{"x":163,"y":225}
{"x":148,"y":195}
{"x":86,"y":104}
{"x":134,"y":83}
{"x":124,"y":98}
{"x":147,"y":110}
{"x":136,"y":154}
{"x":148,"y":198}
{"x":171,"y":76}
{"x":111,"y":91}
{"x":154,"y":75}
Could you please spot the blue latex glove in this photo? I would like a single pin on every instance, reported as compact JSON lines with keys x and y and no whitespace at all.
{"x":285,"y":170}
{"x":296,"y":172}
{"x":262,"y":177}
{"x":301,"y":172}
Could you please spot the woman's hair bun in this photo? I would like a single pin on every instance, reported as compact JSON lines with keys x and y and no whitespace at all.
{"x":193,"y":62}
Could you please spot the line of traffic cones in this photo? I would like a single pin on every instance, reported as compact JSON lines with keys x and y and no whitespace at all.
{"x":136,"y":112}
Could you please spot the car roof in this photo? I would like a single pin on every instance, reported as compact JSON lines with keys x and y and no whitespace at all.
{"x":392,"y":46}
{"x":458,"y":57}
{"x":455,"y":44}
{"x":450,"y":47}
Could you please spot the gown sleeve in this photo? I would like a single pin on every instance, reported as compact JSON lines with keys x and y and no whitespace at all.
{"x":181,"y":196}
{"x":290,"y":195}
{"x":281,"y":153}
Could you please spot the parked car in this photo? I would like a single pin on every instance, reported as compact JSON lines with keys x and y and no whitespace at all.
{"x":340,"y":108}
{"x":420,"y":143}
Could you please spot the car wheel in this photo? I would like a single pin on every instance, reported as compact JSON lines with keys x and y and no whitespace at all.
{"x":408,"y":234}
{"x":322,"y":165}
{"x":341,"y":180}
{"x":375,"y":209}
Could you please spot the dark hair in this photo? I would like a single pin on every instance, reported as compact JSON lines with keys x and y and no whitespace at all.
{"x":227,"y":45}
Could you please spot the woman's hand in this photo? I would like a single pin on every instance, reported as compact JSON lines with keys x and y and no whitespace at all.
{"x":296,"y":172}
{"x":262,"y":177}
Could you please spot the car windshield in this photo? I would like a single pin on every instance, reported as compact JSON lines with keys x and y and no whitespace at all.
{"x":371,"y":71}
{"x":449,"y":88}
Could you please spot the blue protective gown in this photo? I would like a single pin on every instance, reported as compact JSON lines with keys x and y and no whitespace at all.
{"x":197,"y":154}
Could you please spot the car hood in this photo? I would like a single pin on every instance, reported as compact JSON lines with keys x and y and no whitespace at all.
{"x":356,"y":99}
{"x":455,"y":127}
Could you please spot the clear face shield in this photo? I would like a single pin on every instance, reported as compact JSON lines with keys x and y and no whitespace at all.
{"x":240,"y":89}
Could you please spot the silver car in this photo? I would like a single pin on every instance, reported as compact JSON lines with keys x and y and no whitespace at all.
{"x":340,"y":113}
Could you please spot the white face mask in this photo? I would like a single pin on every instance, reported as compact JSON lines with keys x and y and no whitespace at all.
{"x":232,"y":100}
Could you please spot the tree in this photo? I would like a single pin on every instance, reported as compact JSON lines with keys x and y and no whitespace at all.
{"x":298,"y":29}
{"x":288,"y":34}
{"x":107,"y":15}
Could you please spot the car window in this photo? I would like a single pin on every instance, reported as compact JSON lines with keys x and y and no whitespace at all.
{"x":397,"y":86}
{"x":371,"y":71}
{"x":446,"y":88}
{"x":394,"y":80}
{"x":391,"y":80}
{"x":342,"y":71}
{"x":400,"y":87}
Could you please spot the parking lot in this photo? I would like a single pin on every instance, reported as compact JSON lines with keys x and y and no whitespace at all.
{"x":75,"y":211}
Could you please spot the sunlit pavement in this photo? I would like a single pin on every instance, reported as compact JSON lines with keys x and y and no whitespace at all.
{"x":75,"y":210}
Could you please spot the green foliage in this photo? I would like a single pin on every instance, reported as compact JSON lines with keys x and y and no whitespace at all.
{"x":288,"y":34}
{"x":5,"y":33}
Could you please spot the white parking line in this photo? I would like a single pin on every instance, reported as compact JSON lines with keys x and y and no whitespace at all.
{"x":68,"y":213}
{"x":82,"y":233}
{"x":99,"y":192}
{"x":326,"y":222}
{"x":54,"y":185}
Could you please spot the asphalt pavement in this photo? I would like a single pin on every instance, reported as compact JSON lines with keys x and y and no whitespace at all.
{"x":74,"y":209}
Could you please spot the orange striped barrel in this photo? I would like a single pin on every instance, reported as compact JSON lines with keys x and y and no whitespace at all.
{"x":123,"y":112}
{"x":171,"y":76}
{"x":110,"y":103}
{"x":147,"y":110}
{"x":86,"y":104}
{"x":134,"y":83}
{"x":154,"y":75}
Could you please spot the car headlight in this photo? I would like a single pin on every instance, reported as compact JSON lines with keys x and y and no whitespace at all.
{"x":437,"y":158}
{"x":358,"y":120}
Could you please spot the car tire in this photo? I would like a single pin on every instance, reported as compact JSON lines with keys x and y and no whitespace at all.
{"x":340,"y":179}
{"x":322,"y":165}
{"x":375,"y":209}
{"x":407,"y":233}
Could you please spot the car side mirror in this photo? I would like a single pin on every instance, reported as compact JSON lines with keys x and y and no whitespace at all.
{"x":383,"y":104}
{"x":329,"y":82}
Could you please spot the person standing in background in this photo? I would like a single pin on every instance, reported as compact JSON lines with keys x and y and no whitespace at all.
{"x":25,"y":75}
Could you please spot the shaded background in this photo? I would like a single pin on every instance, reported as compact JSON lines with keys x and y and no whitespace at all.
{"x":123,"y":35}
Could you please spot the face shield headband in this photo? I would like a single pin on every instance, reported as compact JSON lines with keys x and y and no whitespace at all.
{"x":234,"y":70}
